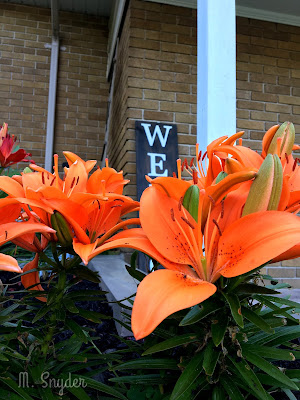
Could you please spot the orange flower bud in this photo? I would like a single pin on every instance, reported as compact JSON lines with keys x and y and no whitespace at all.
{"x":266,"y":188}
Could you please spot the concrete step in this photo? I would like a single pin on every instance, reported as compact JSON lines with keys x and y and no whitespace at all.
{"x":118,"y":283}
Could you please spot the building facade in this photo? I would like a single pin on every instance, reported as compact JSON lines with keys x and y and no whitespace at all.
{"x":151,"y":76}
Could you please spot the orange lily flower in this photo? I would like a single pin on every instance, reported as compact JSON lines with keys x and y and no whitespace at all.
{"x":104,"y":215}
{"x":190,"y":274}
{"x":89,"y":206}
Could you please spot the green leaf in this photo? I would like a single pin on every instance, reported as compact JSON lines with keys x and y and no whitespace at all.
{"x":269,"y":352}
{"x":85,"y":273}
{"x":256,"y":320}
{"x":70,"y":306}
{"x":46,"y":393}
{"x":281,"y":335}
{"x":9,"y":309}
{"x":79,"y":332}
{"x":246,"y":373}
{"x":235,"y":307}
{"x":60,"y":314}
{"x":88,"y":295}
{"x":211,"y":356}
{"x":136,"y":274}
{"x":79,"y":393}
{"x":188,"y":377}
{"x":252,"y":288}
{"x":72,"y":357}
{"x":52,"y":296}
{"x":15,"y":387}
{"x":42,"y":311}
{"x":175,"y":341}
{"x":147,"y":379}
{"x":93,"y":316}
{"x":101,"y":387}
{"x":267,"y":367}
{"x":218,"y":393}
{"x":230,"y":387}
{"x":148,"y":363}
{"x":13,"y":353}
{"x":199,"y":312}
{"x":278,"y":310}
{"x":289,"y":394}
{"x":270,"y":381}
{"x":280,"y":300}
{"x":218,"y":328}
{"x":293,"y":373}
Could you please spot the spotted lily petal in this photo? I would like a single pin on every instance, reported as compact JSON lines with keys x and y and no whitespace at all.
{"x":256,"y":239}
{"x":163,"y":292}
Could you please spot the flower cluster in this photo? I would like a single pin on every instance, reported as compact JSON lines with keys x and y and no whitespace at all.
{"x":77,"y":211}
{"x":236,"y":213}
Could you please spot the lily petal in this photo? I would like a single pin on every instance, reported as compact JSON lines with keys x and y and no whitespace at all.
{"x":293,"y":252}
{"x":32,"y":280}
{"x":12,"y":230}
{"x":83,"y":250}
{"x":136,"y":239}
{"x":11,"y":187}
{"x":256,"y":239}
{"x":169,"y":227}
{"x":8,"y":263}
{"x":163,"y":292}
{"x":173,"y":187}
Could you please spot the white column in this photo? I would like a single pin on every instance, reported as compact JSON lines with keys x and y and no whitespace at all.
{"x":52,"y":86}
{"x":216,"y":70}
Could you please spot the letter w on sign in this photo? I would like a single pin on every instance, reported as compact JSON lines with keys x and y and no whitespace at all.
{"x":157,"y":132}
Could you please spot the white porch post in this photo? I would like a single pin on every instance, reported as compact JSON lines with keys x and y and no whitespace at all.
{"x":216,"y":70}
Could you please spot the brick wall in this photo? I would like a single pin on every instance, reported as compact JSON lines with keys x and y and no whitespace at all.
{"x":268,"y":77}
{"x":24,"y":71}
{"x":118,"y":143}
{"x":268,"y":89}
{"x":160,"y":81}
{"x":82,"y":88}
{"x":155,"y":80}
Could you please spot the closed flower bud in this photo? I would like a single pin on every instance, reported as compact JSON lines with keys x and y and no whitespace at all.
{"x":265,"y":191}
{"x":286,"y":132}
{"x":63,"y":231}
{"x":232,"y":166}
{"x":221,"y":176}
{"x":191,"y":201}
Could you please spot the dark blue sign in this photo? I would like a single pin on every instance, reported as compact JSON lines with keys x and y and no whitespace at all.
{"x":156,"y":151}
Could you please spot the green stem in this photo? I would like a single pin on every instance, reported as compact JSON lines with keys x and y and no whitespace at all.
{"x":48,"y":260}
{"x":109,"y":364}
{"x":54,"y":252}
{"x":60,"y":288}
{"x":72,"y":262}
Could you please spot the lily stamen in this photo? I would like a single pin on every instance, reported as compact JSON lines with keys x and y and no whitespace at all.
{"x":172,"y":214}
{"x":187,"y":222}
{"x":179,"y":168}
{"x":218,"y":227}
